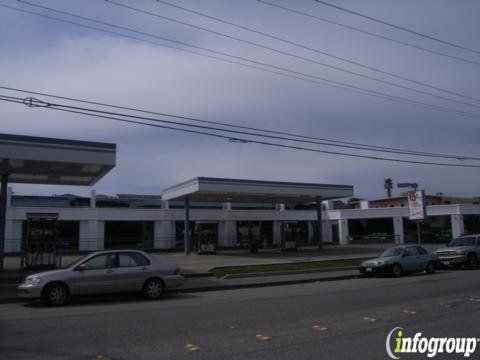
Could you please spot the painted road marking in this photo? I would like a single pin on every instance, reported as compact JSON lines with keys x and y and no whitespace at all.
{"x":192,"y":347}
{"x":409,"y":312}
{"x":447,"y":306}
{"x":262,"y":337}
{"x":319,"y":328}
{"x":367,"y":318}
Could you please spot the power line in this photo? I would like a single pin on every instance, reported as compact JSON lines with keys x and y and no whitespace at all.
{"x":322,"y":52}
{"x":31,"y":102}
{"x":203,"y":127}
{"x":363,"y":146}
{"x":399,"y":27}
{"x":181,"y":49}
{"x":278,"y":69}
{"x":379,"y":36}
{"x":242,"y":140}
{"x":266,"y":48}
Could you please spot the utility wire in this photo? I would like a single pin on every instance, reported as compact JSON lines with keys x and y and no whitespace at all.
{"x":278,"y":69}
{"x":458,"y":46}
{"x":263,"y":47}
{"x":49,"y":106}
{"x":345,"y":26}
{"x":345,"y":87}
{"x":31,"y":102}
{"x":322,"y":52}
{"x":363,"y":146}
{"x":35,"y":103}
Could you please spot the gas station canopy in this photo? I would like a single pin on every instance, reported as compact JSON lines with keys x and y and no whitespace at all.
{"x":234,"y":190}
{"x":38,"y":160}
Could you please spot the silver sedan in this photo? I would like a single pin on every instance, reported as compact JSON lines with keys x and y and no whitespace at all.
{"x":103,"y":272}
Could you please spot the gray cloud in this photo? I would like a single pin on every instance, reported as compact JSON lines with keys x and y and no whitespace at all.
{"x":90,"y":65}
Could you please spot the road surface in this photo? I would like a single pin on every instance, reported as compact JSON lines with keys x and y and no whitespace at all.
{"x":347,"y":319}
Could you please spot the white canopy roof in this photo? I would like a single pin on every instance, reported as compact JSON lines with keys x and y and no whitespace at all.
{"x":39,"y":160}
{"x":235,"y":190}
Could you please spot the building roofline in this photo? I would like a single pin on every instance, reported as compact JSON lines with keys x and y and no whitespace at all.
{"x":48,"y":140}
{"x":255,"y":182}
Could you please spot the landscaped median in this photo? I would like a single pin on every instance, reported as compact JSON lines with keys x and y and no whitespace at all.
{"x":285,"y":268}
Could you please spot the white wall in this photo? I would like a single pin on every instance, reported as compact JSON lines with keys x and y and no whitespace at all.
{"x":92,"y":221}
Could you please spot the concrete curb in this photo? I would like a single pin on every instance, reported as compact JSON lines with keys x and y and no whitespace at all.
{"x":260,"y":285}
{"x":288,"y":272}
{"x":211,"y":270}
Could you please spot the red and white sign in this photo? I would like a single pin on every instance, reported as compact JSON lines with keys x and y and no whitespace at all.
{"x":416,"y":205}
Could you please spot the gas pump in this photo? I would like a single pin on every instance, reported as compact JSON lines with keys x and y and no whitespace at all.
{"x":39,"y":250}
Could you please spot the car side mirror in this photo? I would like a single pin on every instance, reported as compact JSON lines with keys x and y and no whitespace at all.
{"x":404,"y":255}
{"x":81,"y":267}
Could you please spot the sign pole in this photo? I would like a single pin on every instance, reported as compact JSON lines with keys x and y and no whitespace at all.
{"x":418,"y":232}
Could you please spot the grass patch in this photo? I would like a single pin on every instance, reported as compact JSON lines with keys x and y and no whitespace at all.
{"x":227,"y":270}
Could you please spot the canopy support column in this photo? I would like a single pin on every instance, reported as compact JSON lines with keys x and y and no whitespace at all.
{"x":319,"y":224}
{"x":3,"y":216}
{"x":186,"y":230}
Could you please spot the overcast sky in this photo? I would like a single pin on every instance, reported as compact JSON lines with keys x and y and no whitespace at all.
{"x":53,"y":57}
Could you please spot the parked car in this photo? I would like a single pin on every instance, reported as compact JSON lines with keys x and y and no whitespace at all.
{"x":464,"y":250}
{"x":103,"y":272}
{"x":401,"y":259}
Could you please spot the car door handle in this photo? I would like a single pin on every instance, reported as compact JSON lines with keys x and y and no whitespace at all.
{"x":143,"y":269}
{"x":110,"y":271}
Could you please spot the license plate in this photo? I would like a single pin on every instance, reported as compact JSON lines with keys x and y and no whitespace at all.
{"x":446,"y":262}
{"x":368,"y":269}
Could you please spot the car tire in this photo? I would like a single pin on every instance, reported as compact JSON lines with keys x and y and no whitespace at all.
{"x":472,"y":261}
{"x":430,"y":268}
{"x":397,"y":270}
{"x":153,"y":289}
{"x":55,"y":294}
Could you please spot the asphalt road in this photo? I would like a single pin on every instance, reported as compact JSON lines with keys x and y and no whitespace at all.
{"x":347,"y":319}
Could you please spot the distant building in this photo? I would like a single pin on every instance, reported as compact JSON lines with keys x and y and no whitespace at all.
{"x":401,"y":201}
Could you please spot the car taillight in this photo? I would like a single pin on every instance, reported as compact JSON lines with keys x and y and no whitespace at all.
{"x":177,"y":271}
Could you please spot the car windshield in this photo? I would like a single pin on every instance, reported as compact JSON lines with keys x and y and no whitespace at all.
{"x":391,"y":252}
{"x":467,"y":241}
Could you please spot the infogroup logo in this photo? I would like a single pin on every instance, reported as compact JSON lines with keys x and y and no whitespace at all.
{"x":397,"y":344}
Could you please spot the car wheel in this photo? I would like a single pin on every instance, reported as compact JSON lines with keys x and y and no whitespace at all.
{"x":153,"y":289}
{"x":430,"y":267}
{"x":55,"y":294}
{"x":397,"y":270}
{"x":472,"y":261}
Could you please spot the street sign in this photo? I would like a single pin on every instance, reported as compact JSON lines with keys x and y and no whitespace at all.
{"x":416,"y":205}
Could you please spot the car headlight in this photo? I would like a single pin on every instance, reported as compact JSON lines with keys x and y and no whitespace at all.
{"x":380,"y":263}
{"x":460,"y":252}
{"x":32,"y":281}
